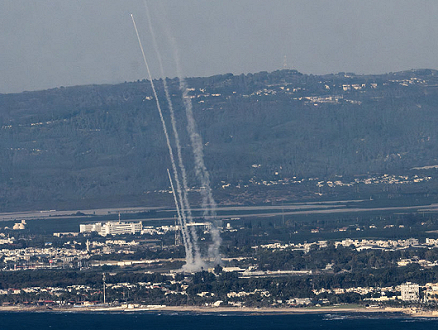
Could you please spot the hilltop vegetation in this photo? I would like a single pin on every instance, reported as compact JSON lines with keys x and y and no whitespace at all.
{"x":103,"y":144}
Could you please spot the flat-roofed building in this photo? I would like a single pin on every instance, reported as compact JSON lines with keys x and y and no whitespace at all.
{"x":410,"y":291}
{"x":112,"y":228}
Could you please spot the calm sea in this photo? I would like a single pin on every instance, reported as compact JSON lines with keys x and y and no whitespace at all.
{"x":230,"y":321}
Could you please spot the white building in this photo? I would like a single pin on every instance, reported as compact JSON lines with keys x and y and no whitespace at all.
{"x":90,"y":227}
{"x":112,"y":228}
{"x":20,"y":225}
{"x":410,"y":291}
{"x":201,"y":225}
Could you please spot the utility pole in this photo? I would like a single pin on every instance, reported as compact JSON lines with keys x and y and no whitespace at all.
{"x":104,"y":288}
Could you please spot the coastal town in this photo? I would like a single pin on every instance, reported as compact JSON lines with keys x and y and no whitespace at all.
{"x":128,"y":265}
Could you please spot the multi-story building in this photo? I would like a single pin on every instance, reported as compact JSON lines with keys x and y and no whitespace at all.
{"x":112,"y":228}
{"x":410,"y":291}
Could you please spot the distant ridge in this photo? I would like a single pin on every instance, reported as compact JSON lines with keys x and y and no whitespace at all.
{"x":103,"y":143}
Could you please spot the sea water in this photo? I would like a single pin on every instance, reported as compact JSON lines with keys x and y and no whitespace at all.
{"x":229,"y":321}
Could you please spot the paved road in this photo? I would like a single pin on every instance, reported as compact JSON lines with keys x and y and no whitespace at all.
{"x":290,"y":209}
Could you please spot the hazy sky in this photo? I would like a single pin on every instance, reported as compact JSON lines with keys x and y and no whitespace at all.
{"x":51,"y":43}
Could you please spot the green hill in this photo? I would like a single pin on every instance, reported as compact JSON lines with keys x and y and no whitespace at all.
{"x":103,"y":144}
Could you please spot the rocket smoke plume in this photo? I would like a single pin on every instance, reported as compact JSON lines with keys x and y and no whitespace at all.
{"x":184,"y":202}
{"x":208,"y":202}
{"x":178,"y":211}
{"x":182,"y":220}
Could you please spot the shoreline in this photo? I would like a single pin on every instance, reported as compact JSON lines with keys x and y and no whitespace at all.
{"x":409,"y":312}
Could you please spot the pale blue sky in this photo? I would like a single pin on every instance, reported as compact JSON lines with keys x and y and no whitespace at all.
{"x":51,"y":43}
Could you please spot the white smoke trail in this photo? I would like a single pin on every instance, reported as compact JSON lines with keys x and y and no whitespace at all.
{"x":207,"y":201}
{"x":198,"y":263}
{"x":178,"y":212}
{"x":188,"y":242}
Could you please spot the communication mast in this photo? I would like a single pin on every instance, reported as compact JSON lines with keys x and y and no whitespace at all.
{"x":104,"y":288}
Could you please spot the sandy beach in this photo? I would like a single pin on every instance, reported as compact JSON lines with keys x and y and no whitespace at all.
{"x":207,"y":309}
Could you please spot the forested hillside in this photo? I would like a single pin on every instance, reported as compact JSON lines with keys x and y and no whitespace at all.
{"x":104,"y":144}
